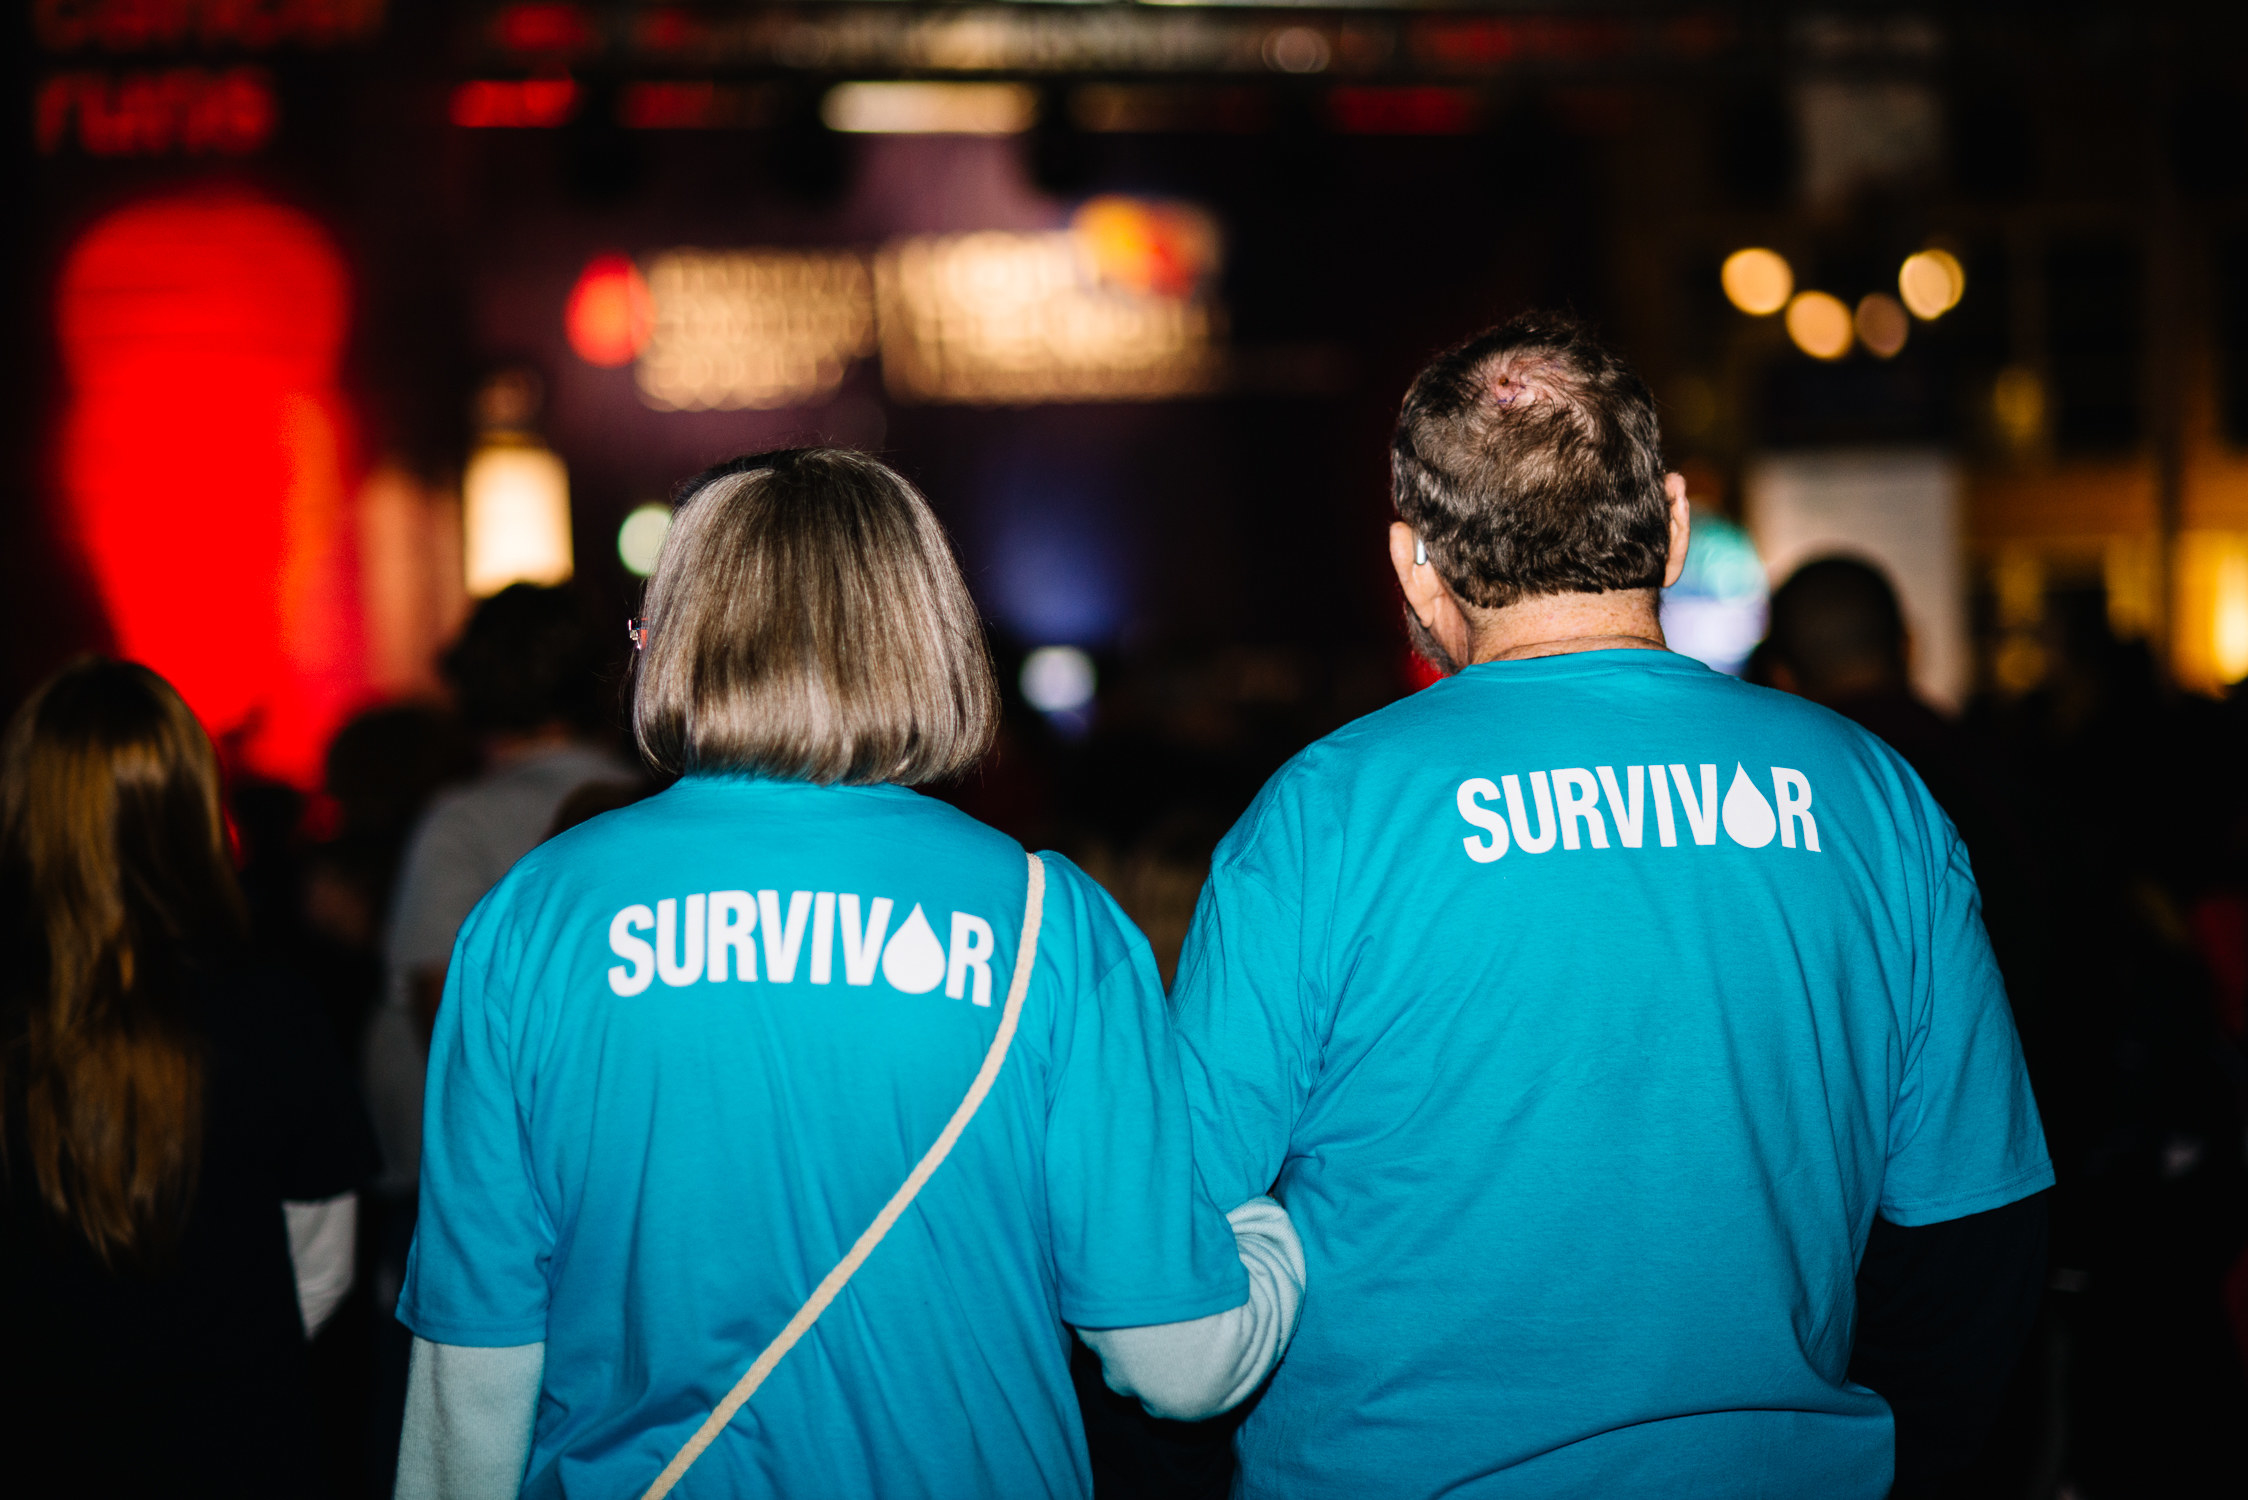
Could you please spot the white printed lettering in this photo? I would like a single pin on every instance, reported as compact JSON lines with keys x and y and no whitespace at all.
{"x":1570,"y":813}
{"x":1792,"y":790}
{"x":1748,"y":817}
{"x":971,"y":949}
{"x":783,"y":941}
{"x":862,"y":946}
{"x":914,"y":961}
{"x":733,"y":917}
{"x":1521,"y":821}
{"x":1482,"y":851}
{"x":1628,"y":822}
{"x":1701,"y":816}
{"x":1666,"y":832}
{"x":634,"y":951}
{"x":823,"y":937}
{"x":1577,"y":797}
{"x":672,"y":935}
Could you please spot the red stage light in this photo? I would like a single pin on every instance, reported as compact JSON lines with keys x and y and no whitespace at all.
{"x":609,"y":314}
{"x":203,"y":461}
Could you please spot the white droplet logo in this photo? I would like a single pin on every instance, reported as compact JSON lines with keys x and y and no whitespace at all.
{"x":914,"y":960}
{"x":1748,"y":817}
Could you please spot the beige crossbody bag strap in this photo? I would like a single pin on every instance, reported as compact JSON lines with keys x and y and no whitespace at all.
{"x":1026,"y":954}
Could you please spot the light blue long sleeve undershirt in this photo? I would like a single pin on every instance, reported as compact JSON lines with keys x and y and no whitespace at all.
{"x":469,"y":1412}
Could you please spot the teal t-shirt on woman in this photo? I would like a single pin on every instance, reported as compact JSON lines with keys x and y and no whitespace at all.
{"x":687,"y":1052}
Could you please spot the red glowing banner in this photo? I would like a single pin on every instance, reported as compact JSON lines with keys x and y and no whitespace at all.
{"x":204,"y":459}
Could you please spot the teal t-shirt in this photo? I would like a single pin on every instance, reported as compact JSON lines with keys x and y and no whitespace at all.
{"x":1586,"y":1010}
{"x":687,"y":1052}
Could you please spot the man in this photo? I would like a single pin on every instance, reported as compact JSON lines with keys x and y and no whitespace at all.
{"x":526,"y":678}
{"x":1838,"y":637}
{"x":1587,"y":1008}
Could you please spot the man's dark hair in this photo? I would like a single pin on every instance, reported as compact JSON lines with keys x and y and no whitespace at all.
{"x":527,"y":658}
{"x":1529,"y":461}
{"x":1835,"y":617}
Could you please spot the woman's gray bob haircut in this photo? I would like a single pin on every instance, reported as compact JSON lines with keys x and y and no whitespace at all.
{"x":807,"y":620}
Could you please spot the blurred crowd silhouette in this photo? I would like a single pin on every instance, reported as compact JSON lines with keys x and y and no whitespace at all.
{"x":2106,"y":814}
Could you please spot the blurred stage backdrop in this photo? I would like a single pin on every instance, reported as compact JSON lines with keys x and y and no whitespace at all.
{"x":332,"y":315}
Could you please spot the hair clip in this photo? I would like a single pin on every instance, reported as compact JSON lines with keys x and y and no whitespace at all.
{"x":636,"y":631}
{"x":1420,"y":552}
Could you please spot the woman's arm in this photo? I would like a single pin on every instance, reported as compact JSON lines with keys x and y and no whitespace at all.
{"x":1194,"y":1370}
{"x":468,"y":1421}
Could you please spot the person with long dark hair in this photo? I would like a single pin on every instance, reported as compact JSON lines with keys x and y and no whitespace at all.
{"x":180,"y":1141}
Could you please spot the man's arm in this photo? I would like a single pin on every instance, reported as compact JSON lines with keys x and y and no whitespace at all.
{"x":1943,"y":1310}
{"x":1196,"y":1369}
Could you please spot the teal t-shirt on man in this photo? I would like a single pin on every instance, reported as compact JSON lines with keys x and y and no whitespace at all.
{"x":1586,"y":1010}
{"x":690,"y":1049}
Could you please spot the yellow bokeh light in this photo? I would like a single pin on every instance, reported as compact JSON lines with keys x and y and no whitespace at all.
{"x":1931,"y":283}
{"x":2017,"y":401}
{"x":2229,"y":641}
{"x":515,"y":498}
{"x":1881,"y":324}
{"x":1819,"y":324}
{"x":1757,"y":281}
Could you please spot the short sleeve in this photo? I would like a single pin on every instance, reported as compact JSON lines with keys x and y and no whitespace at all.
{"x":1137,"y":1240}
{"x":1964,"y":1135}
{"x":478,"y":1272}
{"x":1248,"y":1024}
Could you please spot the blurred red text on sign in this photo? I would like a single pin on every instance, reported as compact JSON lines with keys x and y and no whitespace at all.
{"x":156,"y":112}
{"x":529,"y":104}
{"x":151,"y":25}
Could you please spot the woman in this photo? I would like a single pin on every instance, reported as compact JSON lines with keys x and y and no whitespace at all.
{"x":172,"y":1119}
{"x":777,"y":1124}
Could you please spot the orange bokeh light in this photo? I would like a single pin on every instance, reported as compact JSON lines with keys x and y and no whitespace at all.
{"x":610,"y":314}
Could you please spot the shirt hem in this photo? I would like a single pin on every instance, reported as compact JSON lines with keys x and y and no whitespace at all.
{"x":473,"y":1335}
{"x":1959,"y":1206}
{"x":1153,"y":1313}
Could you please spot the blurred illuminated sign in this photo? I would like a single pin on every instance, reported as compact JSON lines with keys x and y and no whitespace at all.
{"x":1115,"y":307}
{"x":753,"y":328}
{"x":156,"y":25}
{"x":1109,"y":309}
{"x":528,"y":104}
{"x":192,"y":111}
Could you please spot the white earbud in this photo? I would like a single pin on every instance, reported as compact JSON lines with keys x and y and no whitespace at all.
{"x":1420,"y":552}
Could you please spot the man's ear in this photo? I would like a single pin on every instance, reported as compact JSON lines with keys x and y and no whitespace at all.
{"x":1425,"y":593}
{"x":1681,"y":527}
